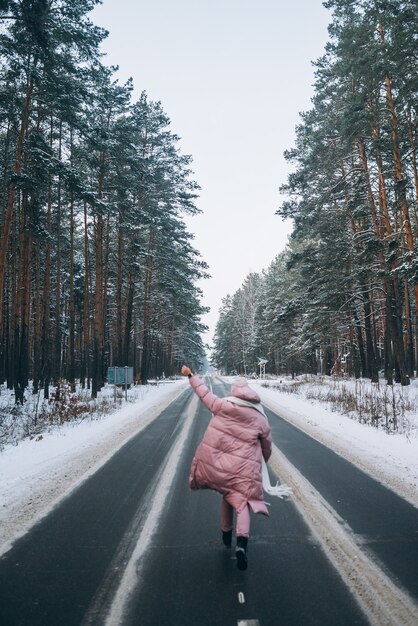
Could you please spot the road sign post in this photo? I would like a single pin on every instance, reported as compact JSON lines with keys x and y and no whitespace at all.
{"x":262,"y":365}
{"x":120,"y":377}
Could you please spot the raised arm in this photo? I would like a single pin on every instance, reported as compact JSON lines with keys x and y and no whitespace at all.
{"x":212,"y":402}
{"x":209,"y":399}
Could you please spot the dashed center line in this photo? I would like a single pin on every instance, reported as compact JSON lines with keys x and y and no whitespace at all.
{"x":241,"y":598}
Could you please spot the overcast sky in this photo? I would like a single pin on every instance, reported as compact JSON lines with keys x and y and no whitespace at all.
{"x":233,"y":76}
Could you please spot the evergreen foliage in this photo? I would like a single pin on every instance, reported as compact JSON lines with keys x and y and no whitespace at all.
{"x":343,"y":297}
{"x":96,"y":265}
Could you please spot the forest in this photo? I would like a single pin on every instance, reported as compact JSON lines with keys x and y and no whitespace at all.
{"x":97,"y":267}
{"x":342,"y":298}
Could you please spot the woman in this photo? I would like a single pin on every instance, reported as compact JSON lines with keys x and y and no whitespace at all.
{"x":229,"y":457}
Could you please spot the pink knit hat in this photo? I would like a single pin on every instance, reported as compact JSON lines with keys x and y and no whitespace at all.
{"x":241,"y":389}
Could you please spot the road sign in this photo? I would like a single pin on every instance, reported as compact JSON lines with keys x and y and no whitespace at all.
{"x":120,"y":375}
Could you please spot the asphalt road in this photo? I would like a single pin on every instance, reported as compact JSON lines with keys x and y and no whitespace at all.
{"x":52,"y":575}
{"x":66,"y":569}
{"x":384,"y":524}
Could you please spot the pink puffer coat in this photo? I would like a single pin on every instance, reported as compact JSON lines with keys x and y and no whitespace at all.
{"x":228,"y":459}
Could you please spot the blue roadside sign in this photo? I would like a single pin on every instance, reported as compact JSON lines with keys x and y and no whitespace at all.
{"x":120,"y":375}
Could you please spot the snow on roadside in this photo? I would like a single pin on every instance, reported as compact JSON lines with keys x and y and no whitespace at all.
{"x":37,"y":473}
{"x":392,"y":459}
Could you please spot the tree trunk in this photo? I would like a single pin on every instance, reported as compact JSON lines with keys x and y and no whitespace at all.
{"x":355,"y":356}
{"x":71,"y":348}
{"x":370,"y":348}
{"x":4,"y":240}
{"x":409,"y":337}
{"x":21,"y":346}
{"x":37,"y":323}
{"x":106,"y":340}
{"x":46,"y":323}
{"x":85,"y":362}
{"x":388,"y":342}
{"x":119,"y":287}
{"x":57,"y":373}
{"x":147,"y":308}
{"x":128,"y":321}
{"x":98,"y":338}
{"x":397,"y":335}
{"x":4,"y":303}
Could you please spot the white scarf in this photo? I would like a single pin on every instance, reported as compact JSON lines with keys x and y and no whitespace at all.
{"x":241,"y":402}
{"x":281,"y":491}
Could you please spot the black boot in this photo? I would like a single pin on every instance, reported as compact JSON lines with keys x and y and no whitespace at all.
{"x":227,"y":538}
{"x":241,"y":552}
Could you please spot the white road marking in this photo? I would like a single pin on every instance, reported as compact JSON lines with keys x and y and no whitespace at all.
{"x":131,"y":575}
{"x":380,"y":599}
{"x":390,"y":477}
{"x":241,"y":598}
{"x":38,"y":501}
{"x":248,"y":622}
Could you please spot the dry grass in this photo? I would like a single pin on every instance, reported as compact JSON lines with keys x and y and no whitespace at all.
{"x":37,"y":415}
{"x":383,"y":406}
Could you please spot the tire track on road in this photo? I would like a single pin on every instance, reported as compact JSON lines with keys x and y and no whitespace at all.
{"x":131,"y":575}
{"x":380,"y":599}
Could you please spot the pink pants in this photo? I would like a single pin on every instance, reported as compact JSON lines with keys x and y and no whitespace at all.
{"x":243,"y":519}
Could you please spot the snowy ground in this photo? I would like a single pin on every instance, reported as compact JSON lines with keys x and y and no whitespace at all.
{"x":390,"y":457}
{"x":38,"y":472}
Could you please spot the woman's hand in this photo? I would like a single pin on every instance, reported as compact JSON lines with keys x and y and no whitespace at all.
{"x":186,"y":371}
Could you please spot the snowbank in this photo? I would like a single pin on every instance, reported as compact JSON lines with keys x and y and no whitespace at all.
{"x":37,"y":473}
{"x":390,"y":458}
